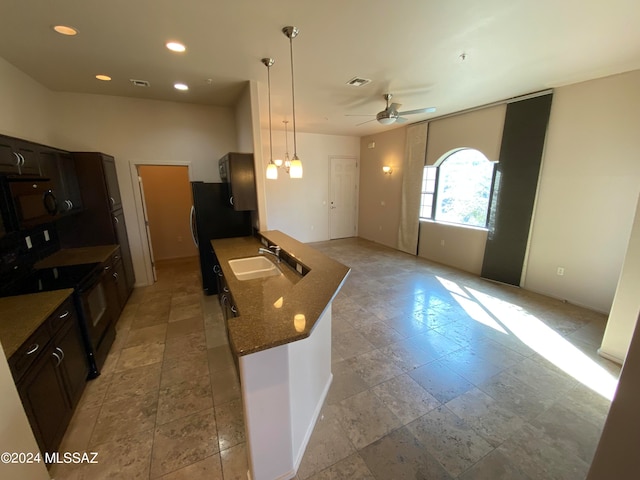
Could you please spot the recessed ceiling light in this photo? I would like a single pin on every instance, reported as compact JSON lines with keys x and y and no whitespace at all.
{"x":104,"y":78}
{"x":65,"y":30}
{"x":180,"y":86}
{"x":176,"y":47}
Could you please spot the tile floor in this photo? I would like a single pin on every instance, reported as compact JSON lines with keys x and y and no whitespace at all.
{"x":438,"y":374}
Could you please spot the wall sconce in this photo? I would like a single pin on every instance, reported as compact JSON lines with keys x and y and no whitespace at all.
{"x":387,"y":169}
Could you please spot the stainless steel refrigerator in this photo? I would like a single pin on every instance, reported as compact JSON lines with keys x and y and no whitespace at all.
{"x":213,"y":217}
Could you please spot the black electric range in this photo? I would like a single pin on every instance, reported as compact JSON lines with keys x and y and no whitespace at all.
{"x":54,"y":278}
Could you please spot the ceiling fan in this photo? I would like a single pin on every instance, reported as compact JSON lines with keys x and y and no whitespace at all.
{"x":391,"y":114}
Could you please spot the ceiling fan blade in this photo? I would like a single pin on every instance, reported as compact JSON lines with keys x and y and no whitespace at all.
{"x":419,"y":110}
{"x":372,"y":120}
{"x":395,"y":106}
{"x":401,"y":120}
{"x":359,"y":114}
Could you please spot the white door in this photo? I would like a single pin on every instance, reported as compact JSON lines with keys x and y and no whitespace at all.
{"x":343,"y":197}
{"x":148,"y":232}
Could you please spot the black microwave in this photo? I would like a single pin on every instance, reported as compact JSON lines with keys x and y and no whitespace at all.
{"x":27,"y":202}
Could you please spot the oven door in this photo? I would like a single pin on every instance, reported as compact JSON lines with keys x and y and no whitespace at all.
{"x":95,"y":308}
{"x":34,"y":201}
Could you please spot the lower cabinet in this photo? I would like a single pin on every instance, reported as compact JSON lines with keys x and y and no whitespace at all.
{"x":50,"y":385}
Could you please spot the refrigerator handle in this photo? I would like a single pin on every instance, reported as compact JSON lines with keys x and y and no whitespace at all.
{"x":192,"y":224}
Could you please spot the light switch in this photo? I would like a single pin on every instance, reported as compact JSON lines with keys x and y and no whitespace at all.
{"x":28,"y":240}
{"x":46,"y":236}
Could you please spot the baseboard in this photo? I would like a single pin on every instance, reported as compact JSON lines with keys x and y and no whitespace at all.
{"x":312,"y":425}
{"x":608,"y":356}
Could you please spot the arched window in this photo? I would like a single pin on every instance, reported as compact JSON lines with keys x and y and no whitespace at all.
{"x":457,"y":189}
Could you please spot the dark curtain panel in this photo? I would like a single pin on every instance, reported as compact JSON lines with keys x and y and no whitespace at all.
{"x":514,"y":192}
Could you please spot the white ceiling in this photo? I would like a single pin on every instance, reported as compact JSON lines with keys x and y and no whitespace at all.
{"x":410,"y":48}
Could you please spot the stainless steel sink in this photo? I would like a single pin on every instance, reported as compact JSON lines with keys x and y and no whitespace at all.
{"x":250,"y":268}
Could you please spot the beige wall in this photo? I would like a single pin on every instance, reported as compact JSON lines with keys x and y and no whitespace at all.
{"x":168,"y":199}
{"x":626,"y":303}
{"x":380,"y":194}
{"x":300,"y":207}
{"x":589,"y":186}
{"x":25,"y":106}
{"x":459,"y":247}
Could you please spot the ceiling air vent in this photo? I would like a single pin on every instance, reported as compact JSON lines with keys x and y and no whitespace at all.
{"x":358,"y":82}
{"x":139,"y":83}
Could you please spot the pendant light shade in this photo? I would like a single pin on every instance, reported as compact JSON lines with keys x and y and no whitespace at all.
{"x":295,"y":169}
{"x":272,"y":169}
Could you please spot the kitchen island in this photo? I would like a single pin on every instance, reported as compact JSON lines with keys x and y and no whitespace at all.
{"x":281,"y":337}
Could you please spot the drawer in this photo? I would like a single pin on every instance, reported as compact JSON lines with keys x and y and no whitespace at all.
{"x":64,"y":315}
{"x":29,"y":351}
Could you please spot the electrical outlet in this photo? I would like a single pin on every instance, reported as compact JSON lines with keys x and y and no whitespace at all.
{"x":371,"y":145}
{"x":28,"y":241}
{"x":299,"y":268}
{"x":560,"y":271}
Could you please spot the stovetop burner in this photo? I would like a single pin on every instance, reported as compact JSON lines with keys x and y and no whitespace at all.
{"x":55,"y":278}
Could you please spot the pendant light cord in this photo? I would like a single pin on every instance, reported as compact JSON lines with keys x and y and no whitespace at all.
{"x":270,"y":137}
{"x":293,"y":100}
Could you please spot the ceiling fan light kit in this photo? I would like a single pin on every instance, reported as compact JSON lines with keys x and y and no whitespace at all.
{"x":391,"y":114}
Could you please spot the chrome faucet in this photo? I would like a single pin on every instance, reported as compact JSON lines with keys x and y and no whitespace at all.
{"x":272,"y":250}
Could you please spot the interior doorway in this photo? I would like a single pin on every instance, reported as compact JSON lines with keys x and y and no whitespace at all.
{"x":165,"y":192}
{"x":343,"y":197}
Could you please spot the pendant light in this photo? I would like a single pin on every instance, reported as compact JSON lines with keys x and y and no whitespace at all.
{"x":272,"y":169}
{"x":295,"y":170}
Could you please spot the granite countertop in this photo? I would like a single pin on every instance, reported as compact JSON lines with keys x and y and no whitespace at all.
{"x":23,"y":314}
{"x":77,"y":256}
{"x":277,"y":310}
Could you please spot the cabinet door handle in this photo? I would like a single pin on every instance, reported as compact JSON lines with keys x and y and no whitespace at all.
{"x":216,"y":269}
{"x":17,"y":155}
{"x":234,"y":309}
{"x":115,"y":219}
{"x":107,"y":268}
{"x":64,"y":315}
{"x":61,"y":352}
{"x":231,"y":200}
{"x":224,"y":299}
{"x":59,"y":360}
{"x":116,"y":258}
{"x":113,"y":202}
{"x":115,"y":276}
{"x":225,"y":289}
{"x":33,"y":348}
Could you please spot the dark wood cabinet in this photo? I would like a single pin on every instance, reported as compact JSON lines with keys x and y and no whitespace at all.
{"x":111,"y":179}
{"x":60,"y":168}
{"x":237,"y":170}
{"x":102,"y":219}
{"x":116,"y":285}
{"x":18,"y":157}
{"x":50,"y":370}
{"x":28,"y":153}
{"x":9,"y":160}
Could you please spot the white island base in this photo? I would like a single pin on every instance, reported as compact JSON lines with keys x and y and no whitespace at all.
{"x":283,"y":390}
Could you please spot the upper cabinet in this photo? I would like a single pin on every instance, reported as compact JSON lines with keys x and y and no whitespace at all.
{"x":111,"y":179}
{"x":60,"y":168}
{"x":18,"y":157}
{"x":237,"y":170}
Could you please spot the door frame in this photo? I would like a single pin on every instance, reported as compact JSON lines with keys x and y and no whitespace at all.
{"x":357,"y":160}
{"x":137,"y":200}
